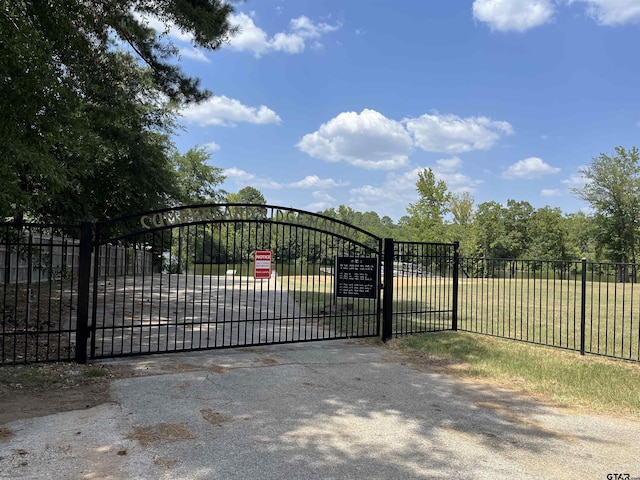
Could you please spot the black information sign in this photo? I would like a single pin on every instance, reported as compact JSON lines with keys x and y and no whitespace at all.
{"x":356,"y":277}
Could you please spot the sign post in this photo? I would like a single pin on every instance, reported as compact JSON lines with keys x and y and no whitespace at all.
{"x":262,"y":264}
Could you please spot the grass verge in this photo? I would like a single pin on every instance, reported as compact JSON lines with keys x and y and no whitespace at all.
{"x":559,"y":376}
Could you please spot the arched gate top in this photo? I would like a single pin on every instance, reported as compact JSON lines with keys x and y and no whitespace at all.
{"x":235,"y":212}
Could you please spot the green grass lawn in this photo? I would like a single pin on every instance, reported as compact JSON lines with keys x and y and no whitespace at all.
{"x":559,"y":376}
{"x":538,"y":310}
{"x":315,"y":295}
{"x":548,"y":311}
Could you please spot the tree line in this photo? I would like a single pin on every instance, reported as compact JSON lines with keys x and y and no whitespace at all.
{"x":609,"y":231}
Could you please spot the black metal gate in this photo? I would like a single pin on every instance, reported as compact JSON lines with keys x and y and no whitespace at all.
{"x":188,"y":279}
{"x":420,"y":287}
{"x":212,"y":276}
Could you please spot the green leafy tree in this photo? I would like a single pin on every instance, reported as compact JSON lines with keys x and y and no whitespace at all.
{"x":613,"y":192}
{"x":250,"y":237}
{"x":84,"y":102}
{"x":489,"y":230}
{"x":426,"y":216}
{"x":516,"y":237}
{"x":582,"y":238}
{"x":549,"y":235}
{"x":197,"y":182}
{"x":247,"y":195}
{"x":462,"y":211}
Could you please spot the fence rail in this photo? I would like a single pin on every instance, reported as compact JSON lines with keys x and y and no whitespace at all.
{"x":39,"y":289}
{"x":35,"y":257}
{"x":38,"y":293}
{"x":419,"y":279}
{"x":46,"y":294}
{"x":591,"y":307}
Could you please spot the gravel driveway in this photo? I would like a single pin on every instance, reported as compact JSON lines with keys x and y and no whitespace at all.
{"x":330,"y":410}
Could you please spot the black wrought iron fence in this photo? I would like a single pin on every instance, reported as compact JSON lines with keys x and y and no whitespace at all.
{"x":51,"y":279}
{"x":577,"y":305}
{"x":38,"y":292}
{"x":420,"y":287}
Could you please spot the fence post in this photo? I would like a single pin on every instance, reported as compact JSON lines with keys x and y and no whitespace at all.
{"x":583,"y":305}
{"x":84,"y":274}
{"x":387,"y":292}
{"x":456,"y":261}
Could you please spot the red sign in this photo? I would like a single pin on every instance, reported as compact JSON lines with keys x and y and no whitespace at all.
{"x":262,"y":264}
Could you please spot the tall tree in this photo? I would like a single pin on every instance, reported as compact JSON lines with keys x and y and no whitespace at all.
{"x":548,"y":235}
{"x":582,"y":239}
{"x":83,"y":88}
{"x":197,"y":181}
{"x":489,"y":230}
{"x":247,"y":195}
{"x":613,"y":192}
{"x":517,"y":225}
{"x":426,"y":220}
{"x":461,"y":207}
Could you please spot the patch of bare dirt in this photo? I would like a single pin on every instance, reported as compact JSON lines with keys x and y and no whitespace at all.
{"x":218,"y":369}
{"x":165,"y":464}
{"x":266,"y":361}
{"x":35,"y":322}
{"x":6,"y":434}
{"x":163,"y":432}
{"x":28,"y":391}
{"x":214,"y":418}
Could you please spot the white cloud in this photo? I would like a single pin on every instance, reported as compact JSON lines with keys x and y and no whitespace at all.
{"x":448,"y":164}
{"x":323,"y":196}
{"x":253,"y":39}
{"x":513,"y":15}
{"x":313,"y":181}
{"x":288,"y":43}
{"x":227,"y":112}
{"x":550,"y":192}
{"x":448,"y":170}
{"x":238,"y":175}
{"x":399,"y":188}
{"x":576,"y":180}
{"x":304,"y":27}
{"x":458,"y":182}
{"x":378,"y":199}
{"x":244,"y":178}
{"x":324,"y":201}
{"x":250,"y":37}
{"x":452,"y":134}
{"x":612,"y":12}
{"x":403,"y":182}
{"x":370,"y":140}
{"x":212,"y":146}
{"x":529,"y":169}
{"x":367,"y":139}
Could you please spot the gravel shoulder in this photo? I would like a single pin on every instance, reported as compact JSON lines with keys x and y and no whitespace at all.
{"x":336,"y":409}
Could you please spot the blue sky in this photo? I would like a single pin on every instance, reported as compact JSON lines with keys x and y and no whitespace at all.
{"x":319,"y":104}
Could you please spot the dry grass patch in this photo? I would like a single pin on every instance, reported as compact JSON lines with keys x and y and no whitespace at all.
{"x":559,"y":376}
